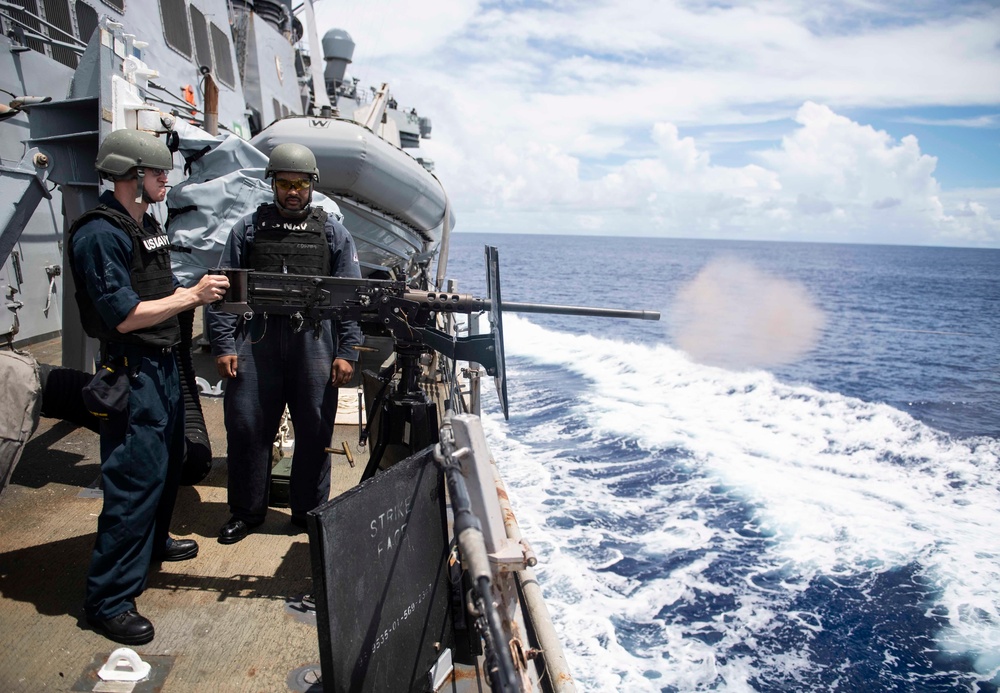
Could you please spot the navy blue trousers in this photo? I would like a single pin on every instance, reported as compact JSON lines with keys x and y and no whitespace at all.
{"x":141,"y":458}
{"x":276,"y":366}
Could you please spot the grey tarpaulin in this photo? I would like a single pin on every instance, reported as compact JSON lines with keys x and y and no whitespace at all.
{"x":225,"y":184}
{"x":20,"y":403}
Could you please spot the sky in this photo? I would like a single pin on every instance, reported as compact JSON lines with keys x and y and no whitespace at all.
{"x":854,"y":121}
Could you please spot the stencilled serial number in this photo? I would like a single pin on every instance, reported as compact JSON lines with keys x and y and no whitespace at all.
{"x":383,"y":637}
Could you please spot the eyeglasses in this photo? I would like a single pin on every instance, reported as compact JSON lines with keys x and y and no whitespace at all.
{"x":287,"y":185}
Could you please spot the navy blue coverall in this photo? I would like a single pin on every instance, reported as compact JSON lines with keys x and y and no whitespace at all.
{"x":277,"y":366}
{"x":142,"y":452}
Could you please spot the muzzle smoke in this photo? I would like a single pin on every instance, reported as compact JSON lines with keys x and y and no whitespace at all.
{"x":735,"y":316}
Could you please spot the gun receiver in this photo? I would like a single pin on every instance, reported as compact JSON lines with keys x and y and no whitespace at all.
{"x":322,"y":298}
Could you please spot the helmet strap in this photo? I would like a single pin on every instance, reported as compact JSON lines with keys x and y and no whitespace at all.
{"x":140,"y":191}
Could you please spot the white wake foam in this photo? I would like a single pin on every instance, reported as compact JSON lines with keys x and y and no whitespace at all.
{"x":838,"y":485}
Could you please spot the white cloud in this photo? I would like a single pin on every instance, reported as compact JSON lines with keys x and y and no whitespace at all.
{"x":983,"y":121}
{"x":874,"y":188}
{"x":571,"y":117}
{"x":831,"y":179}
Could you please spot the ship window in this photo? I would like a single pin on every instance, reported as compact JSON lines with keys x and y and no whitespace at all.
{"x":117,"y":4}
{"x":86,"y":20}
{"x":27,"y":19}
{"x":202,"y":48}
{"x":57,"y":14}
{"x":223,"y":57}
{"x":175,"y":26}
{"x":408,"y":139}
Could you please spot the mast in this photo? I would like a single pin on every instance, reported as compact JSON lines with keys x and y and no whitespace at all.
{"x":320,"y":98}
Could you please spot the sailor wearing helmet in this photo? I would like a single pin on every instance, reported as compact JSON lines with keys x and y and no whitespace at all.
{"x":269,"y":362}
{"x":128,"y":299}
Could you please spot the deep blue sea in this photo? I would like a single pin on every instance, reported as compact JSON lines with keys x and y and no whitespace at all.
{"x":791,"y":482}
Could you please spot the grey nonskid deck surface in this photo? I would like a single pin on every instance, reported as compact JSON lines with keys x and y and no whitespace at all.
{"x":225,"y":621}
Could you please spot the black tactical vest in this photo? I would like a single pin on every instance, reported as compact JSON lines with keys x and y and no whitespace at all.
{"x":290,"y":246}
{"x":151,"y":279}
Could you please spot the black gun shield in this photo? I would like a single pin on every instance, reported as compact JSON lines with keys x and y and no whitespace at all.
{"x":379,"y":555}
{"x":496,"y":322}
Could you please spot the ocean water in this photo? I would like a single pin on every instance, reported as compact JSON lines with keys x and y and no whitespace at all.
{"x":791,"y":482}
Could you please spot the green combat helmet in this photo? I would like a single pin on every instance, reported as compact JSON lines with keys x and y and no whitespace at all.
{"x":292,"y":158}
{"x":125,"y":150}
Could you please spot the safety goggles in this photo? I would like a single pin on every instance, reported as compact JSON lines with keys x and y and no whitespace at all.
{"x":287,"y":185}
{"x":146,"y":171}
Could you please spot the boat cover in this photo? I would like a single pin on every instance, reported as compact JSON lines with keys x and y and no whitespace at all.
{"x":226,"y":182}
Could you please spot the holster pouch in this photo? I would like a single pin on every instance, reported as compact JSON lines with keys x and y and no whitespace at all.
{"x":106,"y":395}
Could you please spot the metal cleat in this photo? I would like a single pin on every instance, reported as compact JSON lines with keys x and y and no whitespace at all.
{"x":124,"y":665}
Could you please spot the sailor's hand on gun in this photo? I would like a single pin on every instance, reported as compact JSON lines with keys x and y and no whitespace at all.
{"x":226,"y":365}
{"x":211,"y":288}
{"x":341,"y":372}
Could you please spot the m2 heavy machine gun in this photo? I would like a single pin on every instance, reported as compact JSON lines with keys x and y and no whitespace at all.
{"x":412,"y":319}
{"x":402,"y":599}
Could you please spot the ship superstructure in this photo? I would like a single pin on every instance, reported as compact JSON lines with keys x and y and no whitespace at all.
{"x":236,"y":67}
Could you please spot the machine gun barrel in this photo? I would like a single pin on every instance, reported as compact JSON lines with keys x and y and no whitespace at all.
{"x":465,"y":303}
{"x":514,"y":307}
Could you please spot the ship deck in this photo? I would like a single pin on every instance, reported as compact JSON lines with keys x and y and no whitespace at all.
{"x":227,"y":620}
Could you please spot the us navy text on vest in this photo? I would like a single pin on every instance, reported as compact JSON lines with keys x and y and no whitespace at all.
{"x":155,"y":242}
